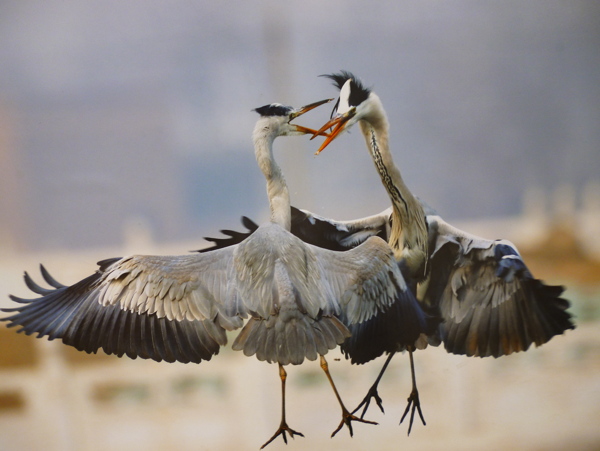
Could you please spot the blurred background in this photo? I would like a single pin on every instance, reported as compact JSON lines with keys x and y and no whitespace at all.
{"x":126,"y":127}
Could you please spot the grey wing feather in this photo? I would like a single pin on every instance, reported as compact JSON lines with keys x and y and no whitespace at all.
{"x":490,"y":303}
{"x":305,"y":289}
{"x":366,"y":279}
{"x":160,"y":308}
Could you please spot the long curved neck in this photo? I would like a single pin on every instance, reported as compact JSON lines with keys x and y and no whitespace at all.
{"x":277,"y":190}
{"x":408,"y":237}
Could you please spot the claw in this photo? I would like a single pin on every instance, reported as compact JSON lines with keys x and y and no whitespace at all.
{"x":347,"y":419}
{"x":372,"y":394}
{"x":373,"y":390}
{"x":283,"y":428}
{"x":413,"y":400}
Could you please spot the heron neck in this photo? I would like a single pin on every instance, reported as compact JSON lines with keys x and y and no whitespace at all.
{"x":277,"y":190}
{"x":408,"y":236}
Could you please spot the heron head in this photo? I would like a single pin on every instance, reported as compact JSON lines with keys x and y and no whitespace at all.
{"x":281,"y":117}
{"x":350,"y":107}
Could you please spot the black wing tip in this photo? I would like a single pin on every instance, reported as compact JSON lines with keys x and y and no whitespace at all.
{"x":249,"y":224}
{"x":556,"y":306}
{"x":49,"y":279}
{"x":548,"y":318}
{"x":18,"y":300}
{"x":232,"y":237}
{"x":74,"y":315}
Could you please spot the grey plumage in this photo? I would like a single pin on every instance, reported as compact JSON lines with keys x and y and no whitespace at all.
{"x":481,"y":288}
{"x":178,"y":308}
{"x":488,"y":301}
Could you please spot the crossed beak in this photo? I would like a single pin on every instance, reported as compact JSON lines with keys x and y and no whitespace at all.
{"x":306,"y":109}
{"x":338,"y":123}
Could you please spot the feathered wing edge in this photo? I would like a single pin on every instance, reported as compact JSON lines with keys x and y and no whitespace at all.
{"x":534,"y":314}
{"x":232,"y":236}
{"x":73,"y":314}
{"x":490,"y":303}
{"x":338,"y":235}
{"x":400,"y":323}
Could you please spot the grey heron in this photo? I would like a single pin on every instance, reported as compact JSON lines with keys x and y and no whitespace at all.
{"x":489,"y":302}
{"x":298,"y":299}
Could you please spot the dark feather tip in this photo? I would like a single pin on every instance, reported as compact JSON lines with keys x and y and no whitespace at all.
{"x":358,"y":92}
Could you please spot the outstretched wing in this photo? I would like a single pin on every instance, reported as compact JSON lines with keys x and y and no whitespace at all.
{"x":490,"y":303}
{"x":383,"y":316}
{"x":160,"y":308}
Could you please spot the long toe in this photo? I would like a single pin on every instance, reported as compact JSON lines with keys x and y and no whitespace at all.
{"x":414,"y":401}
{"x":372,"y":394}
{"x":347,"y":419}
{"x":283,"y":429}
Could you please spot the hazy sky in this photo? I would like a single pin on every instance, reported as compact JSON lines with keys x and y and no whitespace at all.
{"x":142,"y":109}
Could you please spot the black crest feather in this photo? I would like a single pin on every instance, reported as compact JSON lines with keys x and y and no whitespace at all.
{"x":358,"y":92}
{"x":274,"y":109}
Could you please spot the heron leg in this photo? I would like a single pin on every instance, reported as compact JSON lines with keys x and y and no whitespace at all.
{"x":283,"y":427}
{"x":413,"y":399}
{"x":347,"y":417}
{"x":373,"y":393}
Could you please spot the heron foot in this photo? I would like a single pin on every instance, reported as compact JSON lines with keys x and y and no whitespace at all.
{"x":283,"y":429}
{"x":372,"y":394}
{"x":413,"y":400}
{"x":347,"y":419}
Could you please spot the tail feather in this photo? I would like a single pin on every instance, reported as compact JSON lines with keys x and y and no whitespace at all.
{"x":290,"y":342}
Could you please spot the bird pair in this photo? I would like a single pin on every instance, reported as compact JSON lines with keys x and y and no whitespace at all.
{"x":485,"y":299}
{"x":295,"y":298}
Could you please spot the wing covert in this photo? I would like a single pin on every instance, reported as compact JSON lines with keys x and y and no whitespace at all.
{"x":490,"y":303}
{"x":160,"y":308}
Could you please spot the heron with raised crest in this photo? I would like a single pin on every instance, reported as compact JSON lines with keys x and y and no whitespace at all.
{"x":489,"y":302}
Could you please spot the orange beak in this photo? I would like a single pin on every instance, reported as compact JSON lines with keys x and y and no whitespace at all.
{"x":339,"y":123}
{"x":310,"y":131}
{"x":306,"y":109}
